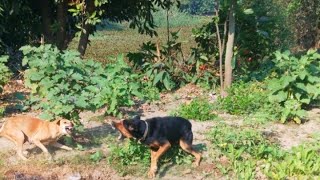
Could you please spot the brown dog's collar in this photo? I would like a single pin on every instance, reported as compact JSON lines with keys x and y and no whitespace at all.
{"x":145,"y":132}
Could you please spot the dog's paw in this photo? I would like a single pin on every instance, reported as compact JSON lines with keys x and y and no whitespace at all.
{"x":26,"y":153}
{"x":196,"y":164}
{"x":24,"y":158}
{"x":49,"y":157}
{"x":151,"y":174}
{"x":69,"y":148}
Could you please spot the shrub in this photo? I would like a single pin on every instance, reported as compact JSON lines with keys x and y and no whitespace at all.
{"x":295,"y":83}
{"x":166,"y":68}
{"x":176,"y":18}
{"x":62,"y":84}
{"x":243,"y":98}
{"x":199,"y":7}
{"x":198,"y":109}
{"x":4,"y":72}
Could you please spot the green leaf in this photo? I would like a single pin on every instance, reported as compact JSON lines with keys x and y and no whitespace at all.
{"x":77,"y":76}
{"x":81,"y":102}
{"x":158,"y":78}
{"x":278,"y":97}
{"x":166,"y":83}
{"x":46,"y":116}
{"x":248,"y":11}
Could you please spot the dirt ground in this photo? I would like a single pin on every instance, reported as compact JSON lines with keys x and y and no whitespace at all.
{"x":287,"y":135}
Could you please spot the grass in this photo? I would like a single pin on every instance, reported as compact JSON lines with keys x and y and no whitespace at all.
{"x":114,"y":39}
{"x":198,"y":109}
{"x":249,"y":153}
{"x":107,"y":43}
{"x":132,"y":158}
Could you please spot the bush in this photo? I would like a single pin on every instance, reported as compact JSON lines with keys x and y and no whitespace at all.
{"x":243,"y":98}
{"x":166,"y":68}
{"x":198,"y":109}
{"x":4,"y":72}
{"x":199,"y":7}
{"x":62,"y":84}
{"x":295,"y":83}
{"x":176,"y":18}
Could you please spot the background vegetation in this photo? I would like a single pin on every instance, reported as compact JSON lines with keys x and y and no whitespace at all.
{"x":259,"y":59}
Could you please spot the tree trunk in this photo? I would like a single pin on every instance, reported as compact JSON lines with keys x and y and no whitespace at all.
{"x":229,"y":48}
{"x":87,"y":28}
{"x":46,"y":20}
{"x":62,"y":23}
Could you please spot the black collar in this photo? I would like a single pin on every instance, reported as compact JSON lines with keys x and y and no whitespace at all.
{"x":145,"y":132}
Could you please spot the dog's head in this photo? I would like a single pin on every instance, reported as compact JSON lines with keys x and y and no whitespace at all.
{"x":128,"y":128}
{"x":66,"y":126}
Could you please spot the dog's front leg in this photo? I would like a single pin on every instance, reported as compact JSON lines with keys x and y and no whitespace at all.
{"x":58,"y":145}
{"x":155,"y":155}
{"x":43,"y":148}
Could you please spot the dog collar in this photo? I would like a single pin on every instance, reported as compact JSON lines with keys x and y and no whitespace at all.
{"x":145,"y":132}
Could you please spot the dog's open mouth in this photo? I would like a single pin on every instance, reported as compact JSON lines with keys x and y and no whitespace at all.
{"x":69,"y":129}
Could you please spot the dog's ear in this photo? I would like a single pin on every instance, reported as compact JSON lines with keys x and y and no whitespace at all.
{"x":137,"y":117}
{"x":58,"y":122}
{"x":130,"y":124}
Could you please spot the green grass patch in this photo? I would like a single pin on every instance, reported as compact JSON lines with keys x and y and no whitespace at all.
{"x":199,"y":109}
{"x":247,"y":151}
{"x":133,"y":158}
{"x":178,"y":18}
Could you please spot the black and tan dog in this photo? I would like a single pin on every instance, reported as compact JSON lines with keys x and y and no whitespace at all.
{"x":159,"y":134}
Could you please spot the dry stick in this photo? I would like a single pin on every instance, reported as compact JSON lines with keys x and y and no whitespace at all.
{"x":221,"y":48}
{"x":158,"y":58}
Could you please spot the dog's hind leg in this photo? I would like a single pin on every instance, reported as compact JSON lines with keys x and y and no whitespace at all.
{"x":186,"y":145}
{"x":18,"y":138}
{"x":43,"y":148}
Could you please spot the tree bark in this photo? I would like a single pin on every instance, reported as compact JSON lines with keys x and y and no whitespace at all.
{"x":87,"y":29}
{"x":45,"y":10}
{"x":62,"y":23}
{"x":229,"y":48}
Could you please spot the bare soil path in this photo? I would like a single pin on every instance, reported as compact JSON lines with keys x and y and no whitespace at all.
{"x":37,"y":168}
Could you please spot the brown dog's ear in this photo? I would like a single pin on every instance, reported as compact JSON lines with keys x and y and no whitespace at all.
{"x":57,"y":122}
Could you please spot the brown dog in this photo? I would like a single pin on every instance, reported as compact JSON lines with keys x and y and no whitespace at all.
{"x":20,"y":129}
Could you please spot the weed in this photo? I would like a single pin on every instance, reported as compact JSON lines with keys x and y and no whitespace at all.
{"x":303,"y":162}
{"x":4,"y":71}
{"x":199,"y":109}
{"x":2,"y":111}
{"x":127,"y":157}
{"x":97,"y":156}
{"x":243,"y":98}
{"x":129,"y":154}
{"x":295,"y":83}
{"x":176,"y":18}
{"x":247,"y":150}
